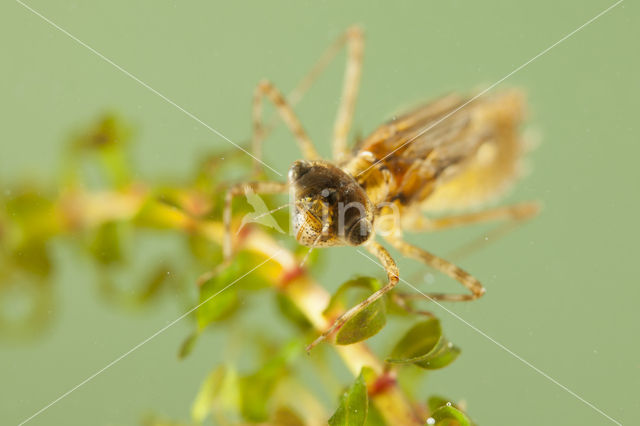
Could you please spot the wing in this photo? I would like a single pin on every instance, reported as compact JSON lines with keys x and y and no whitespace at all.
{"x":432,"y":145}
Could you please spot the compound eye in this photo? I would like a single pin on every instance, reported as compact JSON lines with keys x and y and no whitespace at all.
{"x":359,"y":232}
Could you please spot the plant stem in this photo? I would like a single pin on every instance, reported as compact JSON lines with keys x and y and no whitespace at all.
{"x":87,"y":210}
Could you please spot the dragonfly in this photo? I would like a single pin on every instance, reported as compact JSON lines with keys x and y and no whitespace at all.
{"x":453,"y":155}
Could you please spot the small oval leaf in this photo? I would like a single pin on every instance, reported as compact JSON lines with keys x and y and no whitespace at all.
{"x":257,"y":388}
{"x":218,"y":391}
{"x":216,"y":301}
{"x":418,"y":342}
{"x":215,"y":305}
{"x":187,"y":345}
{"x":425,"y":346}
{"x":338,"y":297}
{"x":364,"y":324}
{"x":436,"y":401}
{"x":106,"y":243}
{"x":352,"y":410}
{"x":448,"y":416}
{"x":444,"y":354}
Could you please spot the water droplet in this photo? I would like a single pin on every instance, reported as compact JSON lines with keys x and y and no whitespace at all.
{"x":448,"y":404}
{"x":429,"y":278}
{"x":431,"y":421}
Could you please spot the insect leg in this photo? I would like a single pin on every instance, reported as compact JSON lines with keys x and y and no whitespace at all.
{"x":351,"y":83}
{"x":517,"y":212}
{"x":240,"y":189}
{"x":354,"y":40}
{"x":402,"y":300}
{"x":444,"y":266}
{"x":392,"y":275}
{"x":352,"y":37}
{"x":266,"y":88}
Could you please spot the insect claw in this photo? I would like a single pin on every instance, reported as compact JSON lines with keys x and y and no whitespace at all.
{"x":313,"y":344}
{"x":332,"y":329}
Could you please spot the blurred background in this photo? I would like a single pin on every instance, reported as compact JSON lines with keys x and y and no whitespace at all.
{"x":562,"y":290}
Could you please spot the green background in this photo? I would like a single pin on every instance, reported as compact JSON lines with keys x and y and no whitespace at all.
{"x":562,"y":290}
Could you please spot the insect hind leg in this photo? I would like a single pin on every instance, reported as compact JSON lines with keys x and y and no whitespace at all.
{"x":476,"y":289}
{"x":516,"y":212}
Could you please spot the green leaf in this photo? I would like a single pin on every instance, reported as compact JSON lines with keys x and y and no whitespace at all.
{"x":365,"y":324}
{"x":106,"y":244}
{"x":134,"y":294}
{"x":257,"y":388}
{"x":105,"y":132}
{"x":352,"y":410}
{"x":419,"y":341}
{"x":116,"y":165}
{"x":204,"y":250}
{"x":425,"y":346}
{"x":156,"y":214}
{"x":338,"y":298}
{"x":374,"y":417}
{"x":187,"y":345}
{"x":219,"y":390}
{"x":36,"y":216}
{"x":219,"y":294}
{"x":448,"y":416}
{"x":216,"y":300}
{"x":260,"y":279}
{"x":34,"y":258}
{"x":444,"y":354}
{"x":156,"y":281}
{"x":435,"y":401}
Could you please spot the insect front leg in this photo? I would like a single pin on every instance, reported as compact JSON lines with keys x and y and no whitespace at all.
{"x":242,"y":189}
{"x":392,"y":276}
{"x":354,"y":40}
{"x":355,"y":47}
{"x":444,"y":266}
{"x":267,"y":89}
